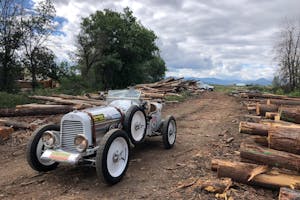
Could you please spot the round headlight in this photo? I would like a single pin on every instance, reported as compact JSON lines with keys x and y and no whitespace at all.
{"x":48,"y":139}
{"x":81,"y":143}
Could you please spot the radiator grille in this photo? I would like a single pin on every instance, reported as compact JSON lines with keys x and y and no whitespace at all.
{"x":69,"y":130}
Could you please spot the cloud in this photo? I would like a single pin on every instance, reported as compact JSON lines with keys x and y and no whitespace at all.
{"x":224,"y":39}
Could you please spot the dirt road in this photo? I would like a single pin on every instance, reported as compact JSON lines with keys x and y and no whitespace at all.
{"x":205,"y":126}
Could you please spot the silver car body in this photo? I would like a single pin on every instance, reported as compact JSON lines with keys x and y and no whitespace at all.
{"x":94,"y":122}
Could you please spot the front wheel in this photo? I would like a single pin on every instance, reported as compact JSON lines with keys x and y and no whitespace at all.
{"x":169,"y":131}
{"x":35,"y":149}
{"x":113,"y":156}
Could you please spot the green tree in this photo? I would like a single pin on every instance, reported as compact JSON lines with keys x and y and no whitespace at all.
{"x":115,"y":50}
{"x":10,"y":37}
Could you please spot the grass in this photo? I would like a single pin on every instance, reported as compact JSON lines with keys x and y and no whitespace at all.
{"x":267,"y":89}
{"x":8,"y":100}
{"x":183,"y":96}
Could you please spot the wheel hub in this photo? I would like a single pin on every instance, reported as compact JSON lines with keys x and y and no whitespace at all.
{"x":138,"y":126}
{"x":117,"y":156}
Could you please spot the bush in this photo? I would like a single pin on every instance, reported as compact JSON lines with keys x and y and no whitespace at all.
{"x":74,"y":85}
{"x":8,"y":100}
{"x":294,"y":94}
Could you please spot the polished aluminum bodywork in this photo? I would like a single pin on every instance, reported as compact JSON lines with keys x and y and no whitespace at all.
{"x":94,"y":122}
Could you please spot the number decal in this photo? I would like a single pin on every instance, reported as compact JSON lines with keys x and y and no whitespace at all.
{"x":99,"y":118}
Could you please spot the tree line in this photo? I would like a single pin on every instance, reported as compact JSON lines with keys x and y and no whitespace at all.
{"x":288,"y":57}
{"x":114,"y":50}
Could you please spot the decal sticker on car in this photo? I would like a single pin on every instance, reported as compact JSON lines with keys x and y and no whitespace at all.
{"x":99,"y":118}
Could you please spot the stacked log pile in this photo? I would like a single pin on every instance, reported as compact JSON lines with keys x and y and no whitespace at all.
{"x":168,"y":87}
{"x":271,"y":158}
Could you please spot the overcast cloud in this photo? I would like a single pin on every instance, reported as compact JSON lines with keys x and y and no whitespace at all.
{"x":197,"y":38}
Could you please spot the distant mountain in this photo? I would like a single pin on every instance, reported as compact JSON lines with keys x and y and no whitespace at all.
{"x":261,"y":81}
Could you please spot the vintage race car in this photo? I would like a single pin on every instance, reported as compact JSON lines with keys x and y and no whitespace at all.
{"x":101,"y":136}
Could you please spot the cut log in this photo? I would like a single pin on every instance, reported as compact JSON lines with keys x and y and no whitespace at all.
{"x":68,"y":101}
{"x":261,"y":140}
{"x":288,"y":194}
{"x":66,"y":96}
{"x":15,"y":125}
{"x":279,"y":123}
{"x":285,"y":139}
{"x":253,"y":128}
{"x":5,"y":132}
{"x":261,"y":109}
{"x":284,"y":102}
{"x":251,"y":108}
{"x":153,"y":95}
{"x":270,"y":157}
{"x":290,"y":115}
{"x":271,"y":115}
{"x":241,"y":172}
{"x":59,"y":109}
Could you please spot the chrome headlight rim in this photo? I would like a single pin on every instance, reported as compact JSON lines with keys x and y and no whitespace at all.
{"x":49,"y":139}
{"x":83,"y":145}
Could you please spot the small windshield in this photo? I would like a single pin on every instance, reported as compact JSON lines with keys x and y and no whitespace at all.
{"x":124,"y":94}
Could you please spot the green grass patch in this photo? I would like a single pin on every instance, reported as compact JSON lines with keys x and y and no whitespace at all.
{"x":183,"y":96}
{"x":8,"y":100}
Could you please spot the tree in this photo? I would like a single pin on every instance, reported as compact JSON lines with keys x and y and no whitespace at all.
{"x":288,"y":56}
{"x":10,"y":37}
{"x":44,"y":64}
{"x":37,"y":25}
{"x":115,"y":50}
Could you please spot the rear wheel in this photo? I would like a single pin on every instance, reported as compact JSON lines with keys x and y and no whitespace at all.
{"x":169,"y":132}
{"x":35,"y":149}
{"x":135,"y":124}
{"x":113,"y":156}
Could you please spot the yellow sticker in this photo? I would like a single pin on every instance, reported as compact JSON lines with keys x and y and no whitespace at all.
{"x":99,"y":118}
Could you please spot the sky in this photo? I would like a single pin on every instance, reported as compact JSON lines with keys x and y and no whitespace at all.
{"x":227,"y":39}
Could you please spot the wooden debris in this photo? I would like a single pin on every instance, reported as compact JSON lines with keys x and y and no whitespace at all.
{"x":213,"y":186}
{"x":15,"y":125}
{"x":270,"y":157}
{"x":5,"y":132}
{"x":288,"y":194}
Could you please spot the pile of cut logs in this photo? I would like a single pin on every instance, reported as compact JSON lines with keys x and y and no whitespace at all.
{"x":270,"y":157}
{"x":168,"y":87}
